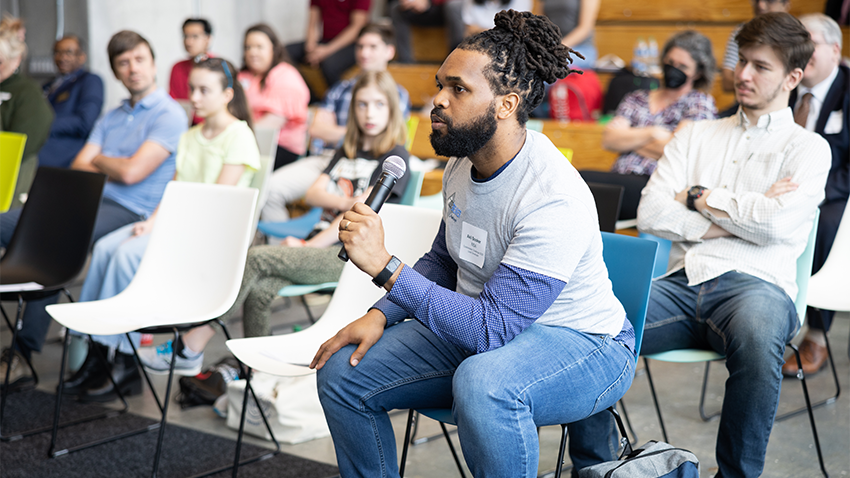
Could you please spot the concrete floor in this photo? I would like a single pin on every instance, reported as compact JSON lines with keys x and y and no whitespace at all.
{"x":790,"y":452}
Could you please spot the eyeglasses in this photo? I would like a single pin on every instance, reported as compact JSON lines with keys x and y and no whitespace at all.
{"x":66,"y":52}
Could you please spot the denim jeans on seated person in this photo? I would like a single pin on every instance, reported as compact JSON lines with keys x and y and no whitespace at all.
{"x":544,"y":376}
{"x":749,"y":321}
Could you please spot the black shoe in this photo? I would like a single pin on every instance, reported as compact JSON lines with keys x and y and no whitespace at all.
{"x":92,"y":372}
{"x":20,"y":376}
{"x":126,"y":375}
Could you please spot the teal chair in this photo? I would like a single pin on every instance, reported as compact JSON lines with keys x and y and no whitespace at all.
{"x":804,"y":272}
{"x":630,"y":262}
{"x":411,"y":192}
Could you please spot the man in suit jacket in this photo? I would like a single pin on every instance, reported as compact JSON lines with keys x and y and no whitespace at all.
{"x":822,"y":104}
{"x":77,"y":98}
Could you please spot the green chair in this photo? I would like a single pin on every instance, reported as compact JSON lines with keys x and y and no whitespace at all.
{"x":804,"y":272}
{"x":11,"y":153}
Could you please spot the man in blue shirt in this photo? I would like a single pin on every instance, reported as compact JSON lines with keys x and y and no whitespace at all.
{"x":135,"y":146}
{"x":77,"y":98}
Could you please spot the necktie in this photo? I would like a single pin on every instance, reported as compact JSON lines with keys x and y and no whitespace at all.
{"x":801,"y":117}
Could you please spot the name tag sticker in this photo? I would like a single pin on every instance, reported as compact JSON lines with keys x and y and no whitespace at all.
{"x":473,"y":244}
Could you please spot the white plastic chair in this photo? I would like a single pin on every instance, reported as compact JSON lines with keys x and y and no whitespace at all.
{"x":261,"y":183}
{"x":408,"y":233}
{"x":190,"y":275}
{"x":267,"y":141}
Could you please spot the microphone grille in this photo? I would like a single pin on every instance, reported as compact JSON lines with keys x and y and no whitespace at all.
{"x":394,"y":165}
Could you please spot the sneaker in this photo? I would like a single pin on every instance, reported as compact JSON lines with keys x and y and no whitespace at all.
{"x":19,"y":373}
{"x":158,"y":360}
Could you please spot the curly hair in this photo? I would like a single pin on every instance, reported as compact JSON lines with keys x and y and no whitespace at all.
{"x":525,"y":51}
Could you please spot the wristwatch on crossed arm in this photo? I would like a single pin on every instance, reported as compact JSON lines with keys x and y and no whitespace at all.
{"x":693,"y":194}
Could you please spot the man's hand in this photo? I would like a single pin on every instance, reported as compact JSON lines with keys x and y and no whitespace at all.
{"x":618,"y":122}
{"x":781,"y":187}
{"x":362,"y":234}
{"x":682,"y":196}
{"x":365,"y":332}
{"x":143,"y":227}
{"x":417,"y":6}
{"x":319,"y":54}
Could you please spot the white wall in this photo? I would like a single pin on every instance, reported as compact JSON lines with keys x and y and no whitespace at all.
{"x":159,"y":21}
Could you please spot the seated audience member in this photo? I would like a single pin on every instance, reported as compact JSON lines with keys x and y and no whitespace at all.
{"x":730,"y":57}
{"x":737,"y":196}
{"x":373,"y":50}
{"x":276,"y":92}
{"x":331,"y":32}
{"x":646,"y":120}
{"x":134,"y":145}
{"x":376,"y":131}
{"x":23,"y":108}
{"x":478,"y":15}
{"x":197,"y":37}
{"x":222,"y":150}
{"x":501,"y":335}
{"x":77,"y":98}
{"x":822,"y":104}
{"x":577,"y":20}
{"x":426,"y":13}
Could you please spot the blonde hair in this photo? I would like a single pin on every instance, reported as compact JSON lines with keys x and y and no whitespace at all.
{"x":11,"y":37}
{"x":396,"y":131}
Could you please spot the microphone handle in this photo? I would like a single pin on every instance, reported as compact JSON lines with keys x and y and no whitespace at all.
{"x":379,"y":195}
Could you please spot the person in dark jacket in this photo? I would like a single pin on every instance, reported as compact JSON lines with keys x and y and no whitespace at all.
{"x":822,"y":104}
{"x":77,"y":98}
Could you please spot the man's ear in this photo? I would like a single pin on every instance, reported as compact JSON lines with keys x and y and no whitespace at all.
{"x":507,"y":105}
{"x":793,"y":79}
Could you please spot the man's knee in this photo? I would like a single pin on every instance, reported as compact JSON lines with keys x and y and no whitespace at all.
{"x":333,"y":373}
{"x":476,"y":387}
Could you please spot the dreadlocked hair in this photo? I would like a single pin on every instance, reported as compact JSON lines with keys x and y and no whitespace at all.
{"x":525,"y":51}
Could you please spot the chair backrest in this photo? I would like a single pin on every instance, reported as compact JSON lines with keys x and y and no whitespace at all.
{"x":261,"y":183}
{"x":414,"y":187}
{"x":609,"y":198}
{"x":662,"y":258}
{"x":630,"y":261}
{"x":267,"y":140}
{"x":412,"y":126}
{"x":829,"y":283}
{"x":11,"y":152}
{"x":408,"y":234}
{"x":804,"y":269}
{"x":52,"y":238}
{"x":194,"y":262}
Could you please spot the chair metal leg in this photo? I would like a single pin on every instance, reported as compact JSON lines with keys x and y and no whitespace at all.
{"x":307,"y":308}
{"x":4,"y":392}
{"x":166,"y":400}
{"x":802,"y":377}
{"x":53,"y":454}
{"x":825,"y":401}
{"x":655,"y":399}
{"x":245,"y":371}
{"x":452,"y":448}
{"x":702,"y":413}
{"x":634,"y":439}
{"x":410,"y":419}
{"x":561,"y":449}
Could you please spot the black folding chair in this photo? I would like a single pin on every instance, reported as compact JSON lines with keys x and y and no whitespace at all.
{"x":49,"y":247}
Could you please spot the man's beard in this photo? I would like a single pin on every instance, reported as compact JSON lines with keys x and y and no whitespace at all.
{"x":765,"y":101}
{"x":463,"y":141}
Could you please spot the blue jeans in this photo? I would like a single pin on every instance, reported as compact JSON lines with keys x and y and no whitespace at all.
{"x":749,"y":321}
{"x":544,"y":376}
{"x":114,"y":262}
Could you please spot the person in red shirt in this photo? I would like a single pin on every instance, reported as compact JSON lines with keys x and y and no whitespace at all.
{"x":339,"y":22}
{"x":197,"y":37}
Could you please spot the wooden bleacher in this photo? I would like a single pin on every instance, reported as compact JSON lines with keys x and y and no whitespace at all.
{"x":619,"y":25}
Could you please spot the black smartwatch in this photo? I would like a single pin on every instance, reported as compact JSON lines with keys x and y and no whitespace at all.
{"x":693,"y":194}
{"x":388,"y":272}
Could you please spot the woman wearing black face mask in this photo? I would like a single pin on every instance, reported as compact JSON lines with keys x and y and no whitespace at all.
{"x":646,"y":120}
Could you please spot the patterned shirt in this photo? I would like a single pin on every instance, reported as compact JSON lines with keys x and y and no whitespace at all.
{"x":738,"y":162}
{"x":337,"y":101}
{"x":694,"y":106}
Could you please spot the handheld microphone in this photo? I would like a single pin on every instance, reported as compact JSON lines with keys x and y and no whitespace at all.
{"x":392,"y":170}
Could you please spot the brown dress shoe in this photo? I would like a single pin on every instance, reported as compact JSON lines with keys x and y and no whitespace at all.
{"x":813,"y":357}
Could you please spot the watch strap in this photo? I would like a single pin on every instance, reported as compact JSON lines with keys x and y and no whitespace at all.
{"x":388,"y":272}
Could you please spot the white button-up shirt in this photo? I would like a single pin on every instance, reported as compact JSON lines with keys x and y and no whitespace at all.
{"x":738,"y":162}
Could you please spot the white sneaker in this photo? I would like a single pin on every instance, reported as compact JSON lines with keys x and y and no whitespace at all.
{"x":158,"y":361}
